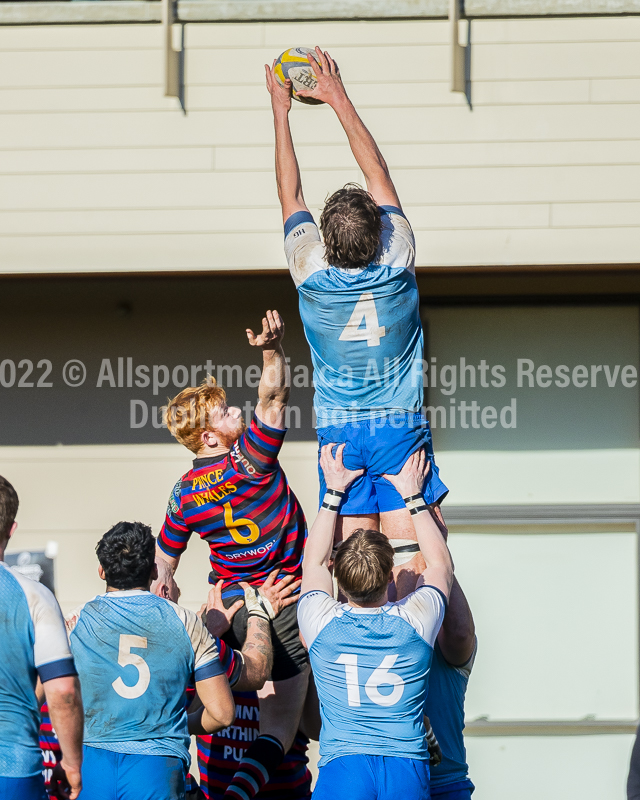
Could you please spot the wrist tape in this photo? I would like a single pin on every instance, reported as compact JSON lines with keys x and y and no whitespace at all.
{"x":416,"y":503}
{"x":257,"y":605}
{"x":332,"y":499}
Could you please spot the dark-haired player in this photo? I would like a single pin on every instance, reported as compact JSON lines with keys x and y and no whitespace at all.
{"x":33,"y":644}
{"x":237,"y":498}
{"x":136,"y":654}
{"x":359,"y":304}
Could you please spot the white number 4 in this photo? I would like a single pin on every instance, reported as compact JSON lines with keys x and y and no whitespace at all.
{"x":372,"y":332}
{"x":126,"y":657}
{"x":379,"y":677}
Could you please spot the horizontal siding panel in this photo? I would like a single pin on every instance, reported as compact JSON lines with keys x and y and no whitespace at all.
{"x":620,"y":90}
{"x":596,"y":215}
{"x":488,"y":93}
{"x":79,"y":37}
{"x":152,"y":159}
{"x":158,"y":190}
{"x":442,"y":217}
{"x":574,"y":29}
{"x":513,"y":247}
{"x":554,"y":61}
{"x":219,"y":220}
{"x":155,"y":252}
{"x":355,"y":34}
{"x":232,"y":128}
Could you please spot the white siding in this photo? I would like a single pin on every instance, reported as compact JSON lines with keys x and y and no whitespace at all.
{"x":100,"y":172}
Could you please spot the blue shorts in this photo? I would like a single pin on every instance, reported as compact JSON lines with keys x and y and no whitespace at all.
{"x":120,"y":776}
{"x":23,"y":788}
{"x":381,"y":445}
{"x":364,"y":777}
{"x":461,"y":790}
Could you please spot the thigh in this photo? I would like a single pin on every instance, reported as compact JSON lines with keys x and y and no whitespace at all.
{"x":290,"y":658}
{"x":360,"y":497}
{"x":281,"y":704}
{"x":347,"y":778}
{"x":31,"y":788}
{"x":99,"y":774}
{"x":151,"y":778}
{"x":402,"y":778}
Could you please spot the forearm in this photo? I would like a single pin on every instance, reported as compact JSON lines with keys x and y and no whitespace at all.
{"x":363,"y":145}
{"x":203,"y":722}
{"x":67,"y":718}
{"x":287,"y":168}
{"x":173,"y":561}
{"x":433,"y":546}
{"x":257,"y":654}
{"x":275,"y":383}
{"x":319,"y":544}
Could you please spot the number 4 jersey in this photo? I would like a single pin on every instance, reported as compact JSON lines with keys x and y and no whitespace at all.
{"x":135,"y":654}
{"x":363,"y":325}
{"x":371,"y":668}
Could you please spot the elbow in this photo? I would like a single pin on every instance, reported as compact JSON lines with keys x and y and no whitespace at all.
{"x":228,"y":716}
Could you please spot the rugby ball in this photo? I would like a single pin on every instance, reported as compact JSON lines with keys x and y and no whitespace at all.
{"x":293,"y":64}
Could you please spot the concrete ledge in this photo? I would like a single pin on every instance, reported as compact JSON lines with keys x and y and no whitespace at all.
{"x":146,"y":11}
{"x":582,"y":727}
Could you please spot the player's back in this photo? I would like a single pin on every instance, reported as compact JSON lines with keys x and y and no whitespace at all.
{"x":363,"y":325}
{"x":135,"y":655}
{"x":371,"y":667}
{"x":31,"y":642}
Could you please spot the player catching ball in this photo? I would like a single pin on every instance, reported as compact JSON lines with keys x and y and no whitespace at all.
{"x":359,"y":304}
{"x":238,"y":499}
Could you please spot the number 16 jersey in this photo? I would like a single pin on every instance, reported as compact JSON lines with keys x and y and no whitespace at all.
{"x":371,"y":668}
{"x":363,"y":325}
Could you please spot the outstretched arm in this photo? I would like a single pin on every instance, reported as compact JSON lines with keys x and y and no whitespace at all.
{"x":315,"y":565}
{"x":410,"y":482}
{"x":275,"y":383}
{"x":330,"y":90}
{"x":287,"y":169}
{"x":457,"y":637}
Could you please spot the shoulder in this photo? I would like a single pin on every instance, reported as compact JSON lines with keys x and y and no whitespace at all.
{"x":303,"y":246}
{"x":397,"y":243}
{"x":37,"y":595}
{"x":316,"y":609}
{"x":423,"y":610}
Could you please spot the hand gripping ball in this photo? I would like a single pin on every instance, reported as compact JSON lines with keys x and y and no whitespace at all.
{"x":293,"y":64}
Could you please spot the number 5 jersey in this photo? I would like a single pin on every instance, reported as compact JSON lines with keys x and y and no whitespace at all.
{"x":135,"y":654}
{"x":363,"y":325}
{"x":371,"y":668}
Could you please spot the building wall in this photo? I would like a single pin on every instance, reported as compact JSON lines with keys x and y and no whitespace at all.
{"x":100,"y":172}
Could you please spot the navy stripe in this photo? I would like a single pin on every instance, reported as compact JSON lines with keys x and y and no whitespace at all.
{"x":297,"y":219}
{"x":210,"y":670}
{"x":393,"y":210}
{"x":57,"y":669}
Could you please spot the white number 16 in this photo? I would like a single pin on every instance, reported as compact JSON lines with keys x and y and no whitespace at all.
{"x":379,"y":677}
{"x":126,"y":657}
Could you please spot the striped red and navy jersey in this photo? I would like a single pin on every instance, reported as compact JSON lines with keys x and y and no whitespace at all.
{"x":243,"y":506}
{"x":219,"y":754}
{"x":49,"y":744}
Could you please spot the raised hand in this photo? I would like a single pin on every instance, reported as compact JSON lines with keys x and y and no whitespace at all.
{"x":272,"y":332}
{"x":330,"y":88}
{"x":279,"y":595}
{"x":216,"y":617}
{"x":280,"y":95}
{"x":336,"y":475}
{"x":413,"y":475}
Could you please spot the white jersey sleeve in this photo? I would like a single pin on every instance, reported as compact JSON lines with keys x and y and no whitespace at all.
{"x":205,"y":650}
{"x":303,"y":247}
{"x":316,"y":609}
{"x":397,"y":243}
{"x":51,"y":651}
{"x":424,"y":611}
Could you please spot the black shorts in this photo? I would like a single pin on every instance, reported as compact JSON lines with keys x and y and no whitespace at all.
{"x":289,"y":656}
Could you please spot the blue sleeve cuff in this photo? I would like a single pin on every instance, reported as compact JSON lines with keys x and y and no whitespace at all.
{"x":297,"y":219}
{"x":210,"y":670}
{"x":63,"y":668}
{"x":393,"y":210}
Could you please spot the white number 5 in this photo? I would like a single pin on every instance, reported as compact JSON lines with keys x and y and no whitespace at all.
{"x":126,"y":657}
{"x":372,"y":332}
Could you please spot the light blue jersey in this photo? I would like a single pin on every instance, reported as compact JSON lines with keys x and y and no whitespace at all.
{"x":445,"y":709}
{"x":33,"y":642}
{"x":135,"y":655}
{"x":363,"y":325}
{"x":371,"y":668}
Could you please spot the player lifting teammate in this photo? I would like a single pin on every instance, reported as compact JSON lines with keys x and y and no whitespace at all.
{"x":359,"y":304}
{"x":237,"y":498}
